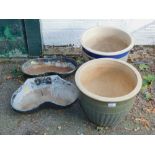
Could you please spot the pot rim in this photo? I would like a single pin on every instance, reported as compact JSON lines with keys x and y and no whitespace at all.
{"x":128,"y":96}
{"x":128,"y":48}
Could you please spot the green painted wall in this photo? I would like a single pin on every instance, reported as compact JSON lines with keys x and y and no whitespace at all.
{"x":20,"y":38}
{"x":12,"y":41}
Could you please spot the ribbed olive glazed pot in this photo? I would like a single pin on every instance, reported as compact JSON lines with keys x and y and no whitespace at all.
{"x":107,"y":90}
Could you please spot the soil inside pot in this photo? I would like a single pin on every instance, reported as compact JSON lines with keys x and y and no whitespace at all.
{"x":43,"y":68}
{"x":109,"y":79}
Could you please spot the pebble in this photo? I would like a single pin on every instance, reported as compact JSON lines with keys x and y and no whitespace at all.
{"x":137,"y":129}
{"x":79,"y":133}
{"x":9,"y":77}
{"x":59,"y":127}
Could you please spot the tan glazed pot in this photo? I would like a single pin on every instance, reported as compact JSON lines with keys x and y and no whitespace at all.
{"x":106,"y":42}
{"x":107,"y":89}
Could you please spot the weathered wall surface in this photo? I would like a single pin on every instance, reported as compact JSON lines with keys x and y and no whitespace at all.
{"x":12,"y":41}
{"x":63,"y":32}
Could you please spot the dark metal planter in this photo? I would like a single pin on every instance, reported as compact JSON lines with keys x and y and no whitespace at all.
{"x":55,"y":59}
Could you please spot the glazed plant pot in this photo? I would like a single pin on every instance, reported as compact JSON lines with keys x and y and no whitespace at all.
{"x":107,"y":89}
{"x":106,"y":42}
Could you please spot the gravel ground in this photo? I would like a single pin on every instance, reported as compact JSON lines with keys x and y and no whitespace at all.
{"x":72,"y":120}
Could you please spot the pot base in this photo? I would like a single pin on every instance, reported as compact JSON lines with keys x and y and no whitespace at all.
{"x":101,"y":114}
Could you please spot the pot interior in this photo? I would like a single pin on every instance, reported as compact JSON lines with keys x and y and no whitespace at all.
{"x":44,"y":65}
{"x":108,"y":79}
{"x":106,"y":39}
{"x":44,"y":68}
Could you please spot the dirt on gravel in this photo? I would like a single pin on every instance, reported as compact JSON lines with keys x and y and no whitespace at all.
{"x":72,"y":120}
